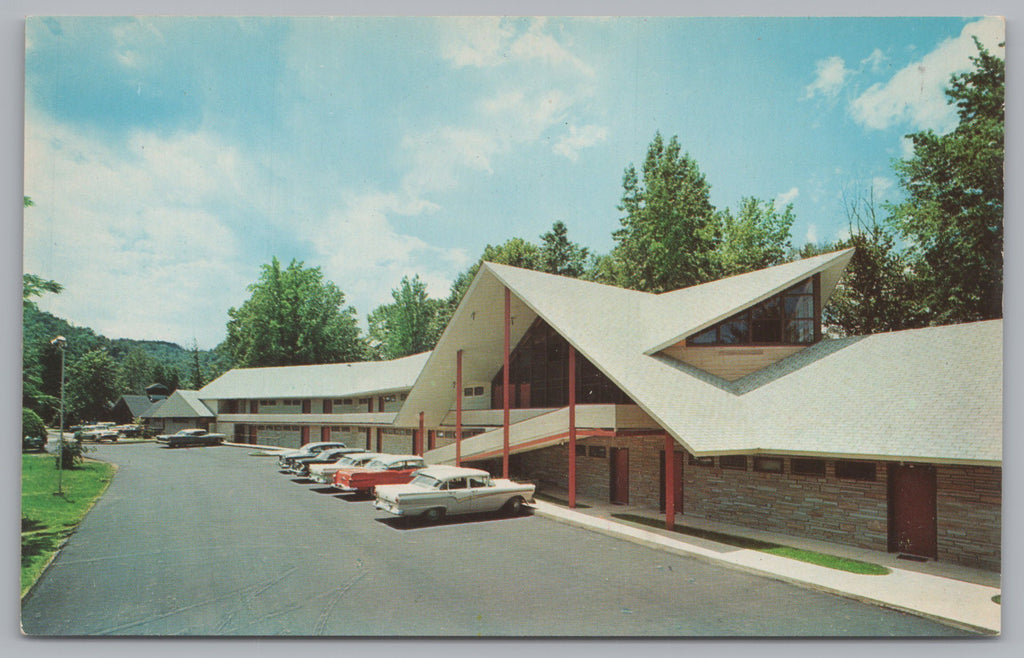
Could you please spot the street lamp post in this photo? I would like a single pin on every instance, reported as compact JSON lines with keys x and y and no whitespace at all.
{"x":60,"y":342}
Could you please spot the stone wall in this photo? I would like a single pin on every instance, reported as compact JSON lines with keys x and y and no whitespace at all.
{"x":968,"y":511}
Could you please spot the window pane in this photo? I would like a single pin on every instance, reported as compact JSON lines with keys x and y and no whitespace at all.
{"x":734,"y":332}
{"x":737,"y":462}
{"x":809,"y":467}
{"x":800,"y":331}
{"x":768,"y":464}
{"x":706,"y":337}
{"x":766,"y":331}
{"x":855,"y":470}
{"x":804,"y":287}
{"x":769,"y":308}
{"x":799,"y":306}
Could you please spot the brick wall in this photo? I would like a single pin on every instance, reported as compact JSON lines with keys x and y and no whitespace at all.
{"x":968,"y":513}
{"x":843,"y":511}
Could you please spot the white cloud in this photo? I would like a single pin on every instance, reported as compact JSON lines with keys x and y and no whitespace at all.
{"x":360,"y":246}
{"x":490,"y":41}
{"x":880,"y":187}
{"x":812,"y":233}
{"x":831,"y":76}
{"x":129,"y":233}
{"x":787,"y":198}
{"x":915,"y":95}
{"x":875,"y":60}
{"x":579,"y":138}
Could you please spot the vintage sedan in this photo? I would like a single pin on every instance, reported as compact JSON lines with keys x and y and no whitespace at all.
{"x":324,"y":473}
{"x":438,"y":491}
{"x":301,"y":466}
{"x":389,"y":469}
{"x":191,"y":437}
{"x":310,"y":449}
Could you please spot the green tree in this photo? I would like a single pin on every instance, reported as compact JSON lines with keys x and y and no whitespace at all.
{"x":293,"y":317}
{"x":196,"y":380}
{"x":406,"y":326}
{"x":877,"y":292}
{"x":756,"y":238}
{"x":669,"y":235}
{"x":559,"y":255}
{"x":952,"y":215}
{"x":91,"y":385}
{"x":136,"y":372}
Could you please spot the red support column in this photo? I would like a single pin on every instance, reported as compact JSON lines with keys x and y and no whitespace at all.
{"x":572,"y":427}
{"x":505,"y":380}
{"x":419,"y":437}
{"x":458,"y":408}
{"x":670,"y":484}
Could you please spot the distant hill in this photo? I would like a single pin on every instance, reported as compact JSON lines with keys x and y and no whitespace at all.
{"x":40,"y":327}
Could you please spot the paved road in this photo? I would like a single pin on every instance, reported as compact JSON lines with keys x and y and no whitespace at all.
{"x":213,"y":541}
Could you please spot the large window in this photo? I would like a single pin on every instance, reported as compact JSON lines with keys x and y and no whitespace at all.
{"x":789,"y":318}
{"x":539,"y":374}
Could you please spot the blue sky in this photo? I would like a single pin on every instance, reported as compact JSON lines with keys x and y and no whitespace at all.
{"x":170,"y":157}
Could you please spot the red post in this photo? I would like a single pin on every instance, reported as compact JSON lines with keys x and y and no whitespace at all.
{"x":458,"y":408}
{"x":505,"y":380}
{"x":670,"y":484}
{"x":572,"y":427}
{"x":419,"y":437}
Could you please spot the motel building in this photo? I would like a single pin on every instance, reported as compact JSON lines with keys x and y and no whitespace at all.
{"x":721,"y":401}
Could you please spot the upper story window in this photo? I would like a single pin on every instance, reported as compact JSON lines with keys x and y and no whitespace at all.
{"x":788,"y":318}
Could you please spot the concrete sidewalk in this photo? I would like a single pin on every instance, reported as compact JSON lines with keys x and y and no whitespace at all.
{"x":953,"y":595}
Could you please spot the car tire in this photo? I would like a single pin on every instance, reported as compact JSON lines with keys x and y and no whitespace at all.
{"x":515,"y":506}
{"x":434,"y":515}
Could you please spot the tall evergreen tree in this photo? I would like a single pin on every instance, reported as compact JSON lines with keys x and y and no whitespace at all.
{"x":559,"y":255}
{"x":952,"y":217}
{"x":669,"y":235}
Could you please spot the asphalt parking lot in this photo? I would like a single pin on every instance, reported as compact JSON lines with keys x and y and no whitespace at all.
{"x":213,"y":541}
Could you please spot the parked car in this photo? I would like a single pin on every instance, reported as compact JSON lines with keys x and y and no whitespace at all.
{"x":285,"y":458}
{"x":389,"y":469}
{"x":97,"y":432}
{"x":301,"y":466}
{"x":439,"y":491}
{"x":33,"y":443}
{"x":191,"y":437}
{"x":324,"y":473}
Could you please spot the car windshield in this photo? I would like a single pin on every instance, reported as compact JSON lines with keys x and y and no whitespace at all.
{"x":426,"y":481}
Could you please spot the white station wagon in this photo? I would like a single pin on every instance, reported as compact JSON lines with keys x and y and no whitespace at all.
{"x":437,"y":491}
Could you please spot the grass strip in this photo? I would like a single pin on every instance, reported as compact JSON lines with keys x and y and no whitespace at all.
{"x":46,"y":518}
{"x":813,"y":557}
{"x":557,"y":501}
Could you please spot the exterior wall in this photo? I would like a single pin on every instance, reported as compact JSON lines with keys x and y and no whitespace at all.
{"x":851,"y":512}
{"x":549,"y":466}
{"x":968,"y":515}
{"x":730,"y":363}
{"x":396,"y":442}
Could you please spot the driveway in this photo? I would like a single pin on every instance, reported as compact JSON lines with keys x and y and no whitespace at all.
{"x":214,"y":541}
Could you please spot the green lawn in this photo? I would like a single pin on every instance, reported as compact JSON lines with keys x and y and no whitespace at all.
{"x":821,"y":559}
{"x":46,"y":518}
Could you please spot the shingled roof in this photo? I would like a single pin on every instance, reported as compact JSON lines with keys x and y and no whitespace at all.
{"x":932,"y":394}
{"x":180,"y":404}
{"x":324,"y":380}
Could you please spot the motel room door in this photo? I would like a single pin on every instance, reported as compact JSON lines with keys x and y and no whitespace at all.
{"x":619,"y":476}
{"x":912,"y":528}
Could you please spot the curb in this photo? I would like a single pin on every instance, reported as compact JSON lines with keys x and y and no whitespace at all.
{"x":678,"y":548}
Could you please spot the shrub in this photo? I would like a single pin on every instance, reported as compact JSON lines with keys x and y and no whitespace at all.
{"x":73,"y":453}
{"x":32,"y":425}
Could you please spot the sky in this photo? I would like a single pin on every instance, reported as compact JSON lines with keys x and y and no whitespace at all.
{"x":169,"y":158}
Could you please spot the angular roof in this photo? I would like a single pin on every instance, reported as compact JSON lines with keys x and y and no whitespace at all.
{"x":136,"y":404}
{"x":181,"y":404}
{"x":324,"y":380}
{"x":835,"y":397}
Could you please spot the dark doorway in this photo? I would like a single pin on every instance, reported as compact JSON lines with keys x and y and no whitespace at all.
{"x":677,"y":476}
{"x":620,"y":476}
{"x":912,"y":528}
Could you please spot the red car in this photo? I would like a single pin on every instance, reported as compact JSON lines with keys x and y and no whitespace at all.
{"x":387,"y":469}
